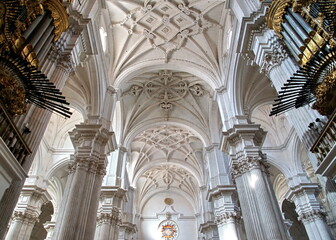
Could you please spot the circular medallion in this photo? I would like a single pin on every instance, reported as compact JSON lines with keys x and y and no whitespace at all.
{"x":169,"y":230}
{"x":168,"y":201}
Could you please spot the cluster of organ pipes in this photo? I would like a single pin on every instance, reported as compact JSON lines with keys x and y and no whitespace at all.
{"x":27,"y":34}
{"x":308,"y":33}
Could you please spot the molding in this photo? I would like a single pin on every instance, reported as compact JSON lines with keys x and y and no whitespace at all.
{"x":219,"y":190}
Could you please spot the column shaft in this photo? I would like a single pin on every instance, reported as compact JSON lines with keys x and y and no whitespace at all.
{"x":76,"y":219}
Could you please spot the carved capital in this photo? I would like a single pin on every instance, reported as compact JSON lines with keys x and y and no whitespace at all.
{"x":246,"y":164}
{"x":227,"y":217}
{"x":311,"y":215}
{"x":87,"y":164}
{"x":113,"y":218}
{"x":274,"y":58}
{"x":65,"y":62}
{"x":25,"y":217}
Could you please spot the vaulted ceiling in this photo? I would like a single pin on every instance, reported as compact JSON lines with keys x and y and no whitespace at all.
{"x":177,"y":32}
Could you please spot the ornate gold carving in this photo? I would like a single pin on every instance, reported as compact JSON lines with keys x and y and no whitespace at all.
{"x":325,"y":94}
{"x":58,"y":13}
{"x":275,"y":14}
{"x":12,"y":92}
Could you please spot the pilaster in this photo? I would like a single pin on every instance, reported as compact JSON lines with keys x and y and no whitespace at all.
{"x":209,"y":231}
{"x":227,"y":214}
{"x":303,"y":194}
{"x":109,"y":213}
{"x":27,"y":213}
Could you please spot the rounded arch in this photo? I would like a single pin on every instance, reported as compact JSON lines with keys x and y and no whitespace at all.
{"x":159,"y":162}
{"x":62,"y":163}
{"x":175,"y":64}
{"x":200,"y":133}
{"x":283,"y":168}
{"x":297,"y":155}
{"x":193,"y":202}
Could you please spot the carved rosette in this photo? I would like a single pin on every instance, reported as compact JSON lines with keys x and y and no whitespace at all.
{"x":25,"y":217}
{"x":244,"y":165}
{"x":311,"y":216}
{"x":228,"y":217}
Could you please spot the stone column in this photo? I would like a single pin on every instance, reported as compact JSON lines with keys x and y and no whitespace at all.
{"x":27,"y":213}
{"x":227,"y":214}
{"x":221,"y":194}
{"x":80,"y":200}
{"x":127,"y":231}
{"x":49,"y":227}
{"x":260,"y":210}
{"x":209,"y":230}
{"x":109,"y":213}
{"x":303,"y":194}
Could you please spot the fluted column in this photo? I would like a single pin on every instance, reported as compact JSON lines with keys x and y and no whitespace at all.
{"x":80,"y":200}
{"x":27,"y":213}
{"x":260,"y":211}
{"x":303,"y":194}
{"x":109,"y":213}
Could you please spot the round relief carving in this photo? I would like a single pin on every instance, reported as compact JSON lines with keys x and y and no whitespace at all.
{"x":169,"y":201}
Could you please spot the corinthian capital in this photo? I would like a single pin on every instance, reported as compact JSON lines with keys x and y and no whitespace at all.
{"x":25,"y":217}
{"x":311,"y":215}
{"x":246,"y":164}
{"x":227,"y":217}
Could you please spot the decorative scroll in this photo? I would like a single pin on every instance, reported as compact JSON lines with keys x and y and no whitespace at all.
{"x":58,"y":13}
{"x":275,"y":14}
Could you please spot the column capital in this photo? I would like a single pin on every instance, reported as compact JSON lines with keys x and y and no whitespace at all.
{"x":227,"y":217}
{"x":114,"y":217}
{"x":312,"y":215}
{"x":88,"y":164}
{"x":243,"y":138}
{"x":25,"y":217}
{"x":65,"y":62}
{"x":245,"y":164}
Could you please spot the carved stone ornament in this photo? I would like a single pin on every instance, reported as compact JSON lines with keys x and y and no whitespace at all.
{"x":167,"y":89}
{"x":274,"y":58}
{"x":227,"y":217}
{"x":311,"y":215}
{"x":246,"y":164}
{"x":113,"y":218}
{"x":169,"y":201}
{"x":166,"y":24}
{"x":25,"y":217}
